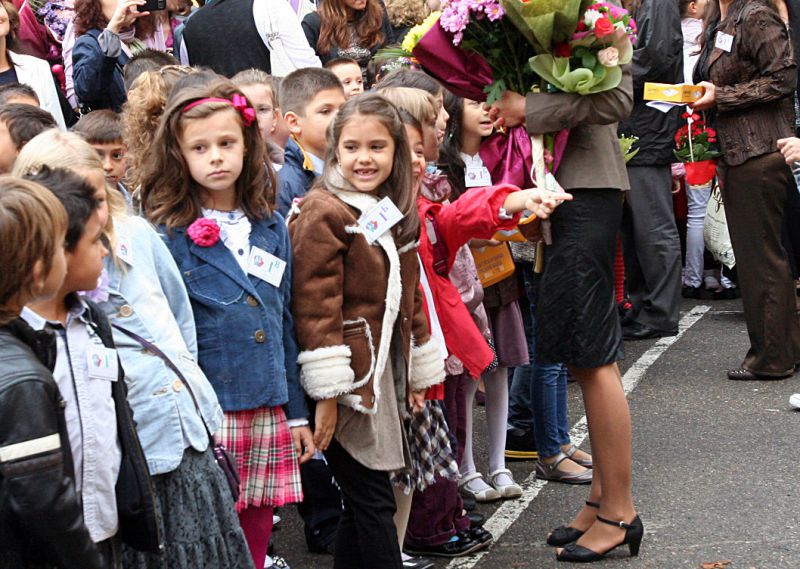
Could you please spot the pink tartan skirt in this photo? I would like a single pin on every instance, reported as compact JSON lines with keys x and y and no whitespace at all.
{"x":261,"y":443}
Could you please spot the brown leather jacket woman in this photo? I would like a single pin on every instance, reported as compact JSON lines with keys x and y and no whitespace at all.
{"x":755,"y":79}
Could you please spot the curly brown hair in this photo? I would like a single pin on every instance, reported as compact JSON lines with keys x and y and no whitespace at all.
{"x":406,"y":12}
{"x":334,"y":17}
{"x":169,"y":195}
{"x":89,"y":16}
{"x":140,"y":115}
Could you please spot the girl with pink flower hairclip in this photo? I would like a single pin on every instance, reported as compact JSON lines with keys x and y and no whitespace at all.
{"x":205,"y":185}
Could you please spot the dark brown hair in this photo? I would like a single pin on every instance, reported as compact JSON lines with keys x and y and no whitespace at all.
{"x":398,"y":187}
{"x":25,"y":121}
{"x":32,"y":227}
{"x":334,"y":17}
{"x":100,"y":127}
{"x":169,"y":194}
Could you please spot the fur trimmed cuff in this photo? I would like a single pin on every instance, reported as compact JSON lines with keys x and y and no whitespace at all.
{"x":325,"y":373}
{"x":427,"y":366}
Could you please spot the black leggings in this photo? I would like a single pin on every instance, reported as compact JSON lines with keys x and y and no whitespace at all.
{"x":367,"y":537}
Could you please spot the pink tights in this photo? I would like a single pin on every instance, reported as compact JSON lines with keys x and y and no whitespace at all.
{"x":257,"y":526}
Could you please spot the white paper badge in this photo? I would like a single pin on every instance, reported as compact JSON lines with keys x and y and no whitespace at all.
{"x":380,"y":219}
{"x":266,"y":266}
{"x":124,"y":251}
{"x":477,"y":177}
{"x":102,"y":363}
{"x":724,"y":41}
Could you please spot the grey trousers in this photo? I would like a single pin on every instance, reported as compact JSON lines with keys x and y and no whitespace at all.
{"x":652,"y":248}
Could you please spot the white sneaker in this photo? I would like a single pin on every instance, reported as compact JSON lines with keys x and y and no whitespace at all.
{"x":794,"y":400}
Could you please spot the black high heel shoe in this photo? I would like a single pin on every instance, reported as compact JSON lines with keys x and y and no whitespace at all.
{"x":563,"y":535}
{"x":634,"y":532}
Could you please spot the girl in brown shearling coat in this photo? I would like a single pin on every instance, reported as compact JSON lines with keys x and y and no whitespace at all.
{"x":363,"y":333}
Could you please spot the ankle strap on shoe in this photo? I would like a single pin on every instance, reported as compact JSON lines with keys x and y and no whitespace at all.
{"x":593,"y":504}
{"x":622,"y":525}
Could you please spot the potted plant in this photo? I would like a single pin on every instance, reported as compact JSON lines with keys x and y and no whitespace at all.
{"x":695,"y":146}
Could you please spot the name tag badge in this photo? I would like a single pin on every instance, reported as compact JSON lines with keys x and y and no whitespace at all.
{"x":477,"y":177}
{"x":102,"y":363}
{"x":380,"y":219}
{"x":125,"y":252}
{"x":266,"y":266}
{"x":724,"y":42}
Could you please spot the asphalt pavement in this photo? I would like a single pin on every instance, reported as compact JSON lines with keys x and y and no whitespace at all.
{"x":715,"y":464}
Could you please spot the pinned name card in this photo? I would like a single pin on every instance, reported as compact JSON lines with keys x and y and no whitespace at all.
{"x":124,"y":251}
{"x":724,"y":42}
{"x":266,"y":266}
{"x":102,"y":363}
{"x":477,"y":177}
{"x":380,"y":219}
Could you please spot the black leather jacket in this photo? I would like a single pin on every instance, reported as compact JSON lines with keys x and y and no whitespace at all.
{"x":41,"y":523}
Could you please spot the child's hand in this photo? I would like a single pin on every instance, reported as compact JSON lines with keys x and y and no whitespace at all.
{"x":325,"y":421}
{"x":416,"y":400}
{"x":543,"y":203}
{"x":303,"y":443}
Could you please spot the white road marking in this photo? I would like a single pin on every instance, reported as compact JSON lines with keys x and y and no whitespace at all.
{"x":511,"y":510}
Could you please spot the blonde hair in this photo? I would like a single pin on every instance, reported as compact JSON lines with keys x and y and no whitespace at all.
{"x":70,"y":151}
{"x":32,"y":227}
{"x":250,"y":77}
{"x":140,"y":115}
{"x":406,"y":12}
{"x":418,"y":103}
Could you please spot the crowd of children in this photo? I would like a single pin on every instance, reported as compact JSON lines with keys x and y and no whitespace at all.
{"x":235,"y":287}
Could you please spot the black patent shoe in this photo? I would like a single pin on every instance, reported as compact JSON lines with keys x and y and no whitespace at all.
{"x":479,"y":534}
{"x":634,"y":532}
{"x":563,"y":535}
{"x":454,"y":548}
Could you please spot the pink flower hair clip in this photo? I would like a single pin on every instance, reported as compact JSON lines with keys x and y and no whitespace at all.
{"x":204,"y":232}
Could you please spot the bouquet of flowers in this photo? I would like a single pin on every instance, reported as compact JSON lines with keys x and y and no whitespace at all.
{"x":55,"y":15}
{"x":626,"y":147}
{"x":695,"y":146}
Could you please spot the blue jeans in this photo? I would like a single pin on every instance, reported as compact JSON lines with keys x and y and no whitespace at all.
{"x":538,"y":394}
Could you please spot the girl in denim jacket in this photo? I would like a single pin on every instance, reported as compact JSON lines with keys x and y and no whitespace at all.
{"x":204,"y":183}
{"x":142,"y":291}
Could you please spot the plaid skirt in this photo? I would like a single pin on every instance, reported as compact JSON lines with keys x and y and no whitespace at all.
{"x":261,"y":443}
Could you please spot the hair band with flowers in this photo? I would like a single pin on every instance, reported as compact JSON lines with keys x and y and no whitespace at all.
{"x":204,"y":232}
{"x":238,"y":101}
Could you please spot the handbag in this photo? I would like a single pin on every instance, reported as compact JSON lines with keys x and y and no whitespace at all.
{"x":221,"y":455}
{"x":279,"y":63}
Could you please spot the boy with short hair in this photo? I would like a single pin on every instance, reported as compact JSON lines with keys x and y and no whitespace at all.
{"x":259,"y":88}
{"x":21,"y":93}
{"x":309,"y":98}
{"x":145,"y":60}
{"x":99,"y":423}
{"x":103,"y":130}
{"x":349,"y":73}
{"x":42,"y":517}
{"x":18,"y":124}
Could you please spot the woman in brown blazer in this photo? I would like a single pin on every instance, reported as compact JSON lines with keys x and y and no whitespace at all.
{"x":577,"y":321}
{"x":749,"y":73}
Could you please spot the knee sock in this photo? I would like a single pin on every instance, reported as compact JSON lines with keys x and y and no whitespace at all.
{"x":403,"y":502}
{"x":257,"y":526}
{"x":497,"y":416}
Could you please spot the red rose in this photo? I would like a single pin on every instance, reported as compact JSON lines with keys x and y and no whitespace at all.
{"x":204,"y":232}
{"x":603,"y":27}
{"x":562,"y":50}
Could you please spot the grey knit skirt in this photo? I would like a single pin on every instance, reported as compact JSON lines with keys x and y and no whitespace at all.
{"x":198,"y":520}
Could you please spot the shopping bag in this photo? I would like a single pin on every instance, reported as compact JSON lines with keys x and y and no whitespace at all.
{"x":715,"y":230}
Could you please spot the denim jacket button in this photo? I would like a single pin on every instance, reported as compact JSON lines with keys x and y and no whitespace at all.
{"x":125,"y":310}
{"x":177,"y":385}
{"x":251,"y":300}
{"x":261,"y":336}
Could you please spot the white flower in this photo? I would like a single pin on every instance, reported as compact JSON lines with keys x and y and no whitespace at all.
{"x":590,"y":17}
{"x":608,"y":57}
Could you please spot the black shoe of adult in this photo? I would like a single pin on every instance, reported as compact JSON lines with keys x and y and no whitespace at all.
{"x":520,"y":445}
{"x":634,"y":532}
{"x":418,"y":563}
{"x":726,"y":294}
{"x":638,"y":331}
{"x":691,"y":291}
{"x":456,"y":547}
{"x":741,"y":374}
{"x":476,"y":520}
